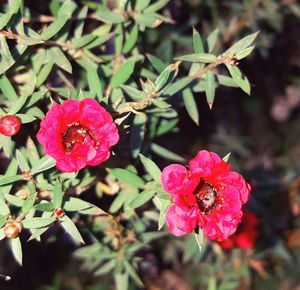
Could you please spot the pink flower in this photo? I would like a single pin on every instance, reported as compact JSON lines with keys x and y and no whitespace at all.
{"x":78,"y":133}
{"x":207,"y":195}
{"x":246,"y":234}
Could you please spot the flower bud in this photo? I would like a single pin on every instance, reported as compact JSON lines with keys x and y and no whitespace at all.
{"x":9,"y":125}
{"x":59,"y":212}
{"x":12,"y":229}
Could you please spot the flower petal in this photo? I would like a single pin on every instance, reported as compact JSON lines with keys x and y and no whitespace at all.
{"x":181,"y":220}
{"x":174,"y":178}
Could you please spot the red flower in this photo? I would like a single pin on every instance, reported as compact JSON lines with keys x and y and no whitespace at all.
{"x":78,"y":133}
{"x":246,"y":234}
{"x":9,"y":125}
{"x":207,"y":195}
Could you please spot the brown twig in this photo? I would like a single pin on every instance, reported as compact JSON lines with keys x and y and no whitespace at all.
{"x":222,"y":59}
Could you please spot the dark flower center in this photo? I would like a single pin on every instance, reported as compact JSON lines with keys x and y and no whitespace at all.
{"x":75,"y":134}
{"x":206,"y":197}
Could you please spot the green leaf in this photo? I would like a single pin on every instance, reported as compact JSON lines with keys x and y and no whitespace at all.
{"x":166,"y":126}
{"x":9,"y":58}
{"x":3,"y":219}
{"x":245,"y":52}
{"x":2,"y":235}
{"x":29,"y":41}
{"x":37,"y":222}
{"x":57,"y":194}
{"x":226,"y":81}
{"x":201,"y":57}
{"x":137,"y":134}
{"x":156,"y":6}
{"x":157,"y":63}
{"x":14,"y":6}
{"x":77,"y":204}
{"x":7,"y":88}
{"x":118,"y":202}
{"x":134,"y":93}
{"x":210,"y":87}
{"x":110,"y":16}
{"x":140,"y":5}
{"x":80,"y":23}
{"x":142,"y":198}
{"x":45,"y":206}
{"x":44,"y":164}
{"x":242,"y":44}
{"x":18,"y":202}
{"x":4,"y":209}
{"x":32,"y":152}
{"x":99,"y":41}
{"x":166,"y":77}
{"x":16,"y":248}
{"x":177,"y":86}
{"x":25,"y":118}
{"x":211,"y":40}
{"x":132,"y":273}
{"x":23,"y":164}
{"x":123,"y":73}
{"x":191,"y":105}
{"x":212,"y":283}
{"x":44,"y":73}
{"x":121,"y":279}
{"x":165,"y":153}
{"x":35,"y":97}
{"x":18,"y":104}
{"x":197,"y":41}
{"x":151,"y":168}
{"x":146,"y":19}
{"x":29,"y":203}
{"x":199,"y":238}
{"x":7,"y":144}
{"x":152,"y":236}
{"x":160,"y":103}
{"x":119,"y":37}
{"x":12,"y":168}
{"x":240,"y":79}
{"x":226,"y":157}
{"x":59,"y":58}
{"x":84,"y":40}
{"x":105,"y":268}
{"x":131,"y":39}
{"x":6,"y":55}
{"x":127,"y":176}
{"x":64,"y":14}
{"x":36,"y":233}
{"x":10,"y":179}
{"x":71,"y":229}
{"x":94,"y":81}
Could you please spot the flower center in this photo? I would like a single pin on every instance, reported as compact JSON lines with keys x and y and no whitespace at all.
{"x":75,"y":134}
{"x":206,"y":197}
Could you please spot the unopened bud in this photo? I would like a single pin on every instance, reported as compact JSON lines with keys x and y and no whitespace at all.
{"x":12,"y":229}
{"x":59,"y":212}
{"x":9,"y":125}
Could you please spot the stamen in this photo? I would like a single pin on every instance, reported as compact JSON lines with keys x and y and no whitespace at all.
{"x":206,"y":197}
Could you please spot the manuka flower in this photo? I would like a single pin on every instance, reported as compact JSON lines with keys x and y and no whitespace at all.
{"x":208,"y":195}
{"x":78,"y":133}
{"x":246,"y":234}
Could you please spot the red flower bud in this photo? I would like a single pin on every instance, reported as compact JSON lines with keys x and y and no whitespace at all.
{"x":9,"y":125}
{"x":59,"y":212}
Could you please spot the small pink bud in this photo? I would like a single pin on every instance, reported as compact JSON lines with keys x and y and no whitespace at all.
{"x":9,"y":125}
